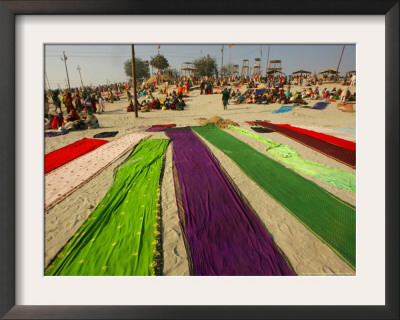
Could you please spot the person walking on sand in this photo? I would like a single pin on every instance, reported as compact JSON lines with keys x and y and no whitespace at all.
{"x":225,"y":98}
{"x":102,"y":106}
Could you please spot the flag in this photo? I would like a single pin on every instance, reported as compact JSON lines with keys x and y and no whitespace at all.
{"x":158,"y":47}
{"x":231,"y":45}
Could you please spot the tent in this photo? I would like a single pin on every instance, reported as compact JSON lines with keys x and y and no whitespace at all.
{"x":301,"y":71}
{"x":161,"y":78}
{"x":329,"y":71}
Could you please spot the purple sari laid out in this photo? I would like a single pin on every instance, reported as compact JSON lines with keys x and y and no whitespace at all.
{"x":222,"y":234}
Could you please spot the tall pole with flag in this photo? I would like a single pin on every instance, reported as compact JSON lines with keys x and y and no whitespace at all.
{"x":230,"y":52}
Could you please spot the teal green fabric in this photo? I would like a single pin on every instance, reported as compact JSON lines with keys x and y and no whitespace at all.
{"x":328,"y":217}
{"x":285,"y":154}
{"x":121,"y":237}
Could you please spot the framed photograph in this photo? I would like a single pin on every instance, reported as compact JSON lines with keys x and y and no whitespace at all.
{"x":254,"y":56}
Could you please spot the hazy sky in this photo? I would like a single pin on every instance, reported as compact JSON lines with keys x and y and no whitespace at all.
{"x":101,"y":62}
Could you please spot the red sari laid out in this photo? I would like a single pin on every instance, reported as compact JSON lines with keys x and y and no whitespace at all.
{"x":70,"y":152}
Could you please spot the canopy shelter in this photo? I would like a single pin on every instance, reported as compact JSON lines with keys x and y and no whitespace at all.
{"x":351,"y":71}
{"x":275,"y":71}
{"x":328,"y":71}
{"x":301,"y":71}
{"x":159,"y":78}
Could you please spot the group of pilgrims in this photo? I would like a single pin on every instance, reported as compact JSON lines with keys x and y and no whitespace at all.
{"x":81,"y":108}
{"x":283,"y":95}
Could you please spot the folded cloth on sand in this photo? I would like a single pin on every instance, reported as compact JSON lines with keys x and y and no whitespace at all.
{"x":66,"y":179}
{"x":345,"y":107}
{"x":121,"y":237}
{"x":70,"y":152}
{"x":107,"y":134}
{"x":331,"y":219}
{"x":262,"y":130}
{"x":283,"y":110}
{"x":160,"y":127}
{"x":54,"y":133}
{"x":223,"y":234}
{"x":321,"y":105}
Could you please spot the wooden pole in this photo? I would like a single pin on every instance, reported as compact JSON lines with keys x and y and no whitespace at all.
{"x":66,"y":69}
{"x":222,"y":59}
{"x":337,"y":69}
{"x":134,"y":81}
{"x":80,"y":76}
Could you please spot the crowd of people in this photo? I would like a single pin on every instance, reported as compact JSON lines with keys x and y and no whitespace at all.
{"x":283,"y":95}
{"x":81,"y":104}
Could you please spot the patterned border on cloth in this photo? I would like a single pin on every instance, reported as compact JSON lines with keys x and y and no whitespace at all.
{"x":64,"y":180}
{"x":61,"y":156}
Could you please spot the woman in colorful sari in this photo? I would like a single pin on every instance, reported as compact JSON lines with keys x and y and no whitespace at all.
{"x":68,"y":102}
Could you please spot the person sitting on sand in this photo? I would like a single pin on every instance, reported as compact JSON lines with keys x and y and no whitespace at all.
{"x":315,"y":95}
{"x":180,"y":104}
{"x":130,"y":108}
{"x":167,"y":103}
{"x":174,"y":104}
{"x":146,"y":107}
{"x":57,"y":121}
{"x":325,"y":94}
{"x":91,"y":121}
{"x":73,"y":115}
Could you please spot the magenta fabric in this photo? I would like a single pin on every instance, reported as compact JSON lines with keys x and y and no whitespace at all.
{"x":223,"y":236}
{"x":160,"y":127}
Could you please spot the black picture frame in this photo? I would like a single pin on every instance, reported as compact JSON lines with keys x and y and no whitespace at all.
{"x":8,"y":11}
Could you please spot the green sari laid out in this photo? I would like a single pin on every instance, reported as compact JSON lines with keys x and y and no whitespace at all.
{"x":329,"y":218}
{"x":285,"y":154}
{"x":121,"y":237}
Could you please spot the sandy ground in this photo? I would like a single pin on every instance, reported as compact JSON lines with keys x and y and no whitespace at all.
{"x":307,"y":254}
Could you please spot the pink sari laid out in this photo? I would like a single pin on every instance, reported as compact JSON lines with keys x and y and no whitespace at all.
{"x":64,"y":180}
